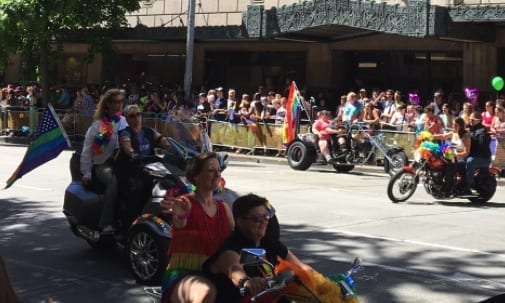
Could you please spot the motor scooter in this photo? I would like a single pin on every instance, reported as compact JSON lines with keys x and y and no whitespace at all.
{"x":142,"y":231}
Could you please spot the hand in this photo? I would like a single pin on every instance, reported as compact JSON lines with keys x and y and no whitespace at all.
{"x":255,"y":285}
{"x":178,"y":207}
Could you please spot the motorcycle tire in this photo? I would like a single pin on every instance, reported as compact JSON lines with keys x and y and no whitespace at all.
{"x":485,"y":187}
{"x":405,"y":183}
{"x":105,"y":243}
{"x":343,"y":168}
{"x":398,"y":159}
{"x":300,"y":156}
{"x":147,"y":255}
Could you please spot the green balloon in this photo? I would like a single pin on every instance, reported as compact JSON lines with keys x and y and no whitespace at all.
{"x":497,"y":83}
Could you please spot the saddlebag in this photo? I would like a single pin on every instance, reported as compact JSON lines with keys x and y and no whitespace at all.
{"x":81,"y":206}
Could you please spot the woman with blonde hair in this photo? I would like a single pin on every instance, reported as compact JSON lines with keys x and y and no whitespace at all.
{"x":466,"y":112}
{"x":99,"y":144}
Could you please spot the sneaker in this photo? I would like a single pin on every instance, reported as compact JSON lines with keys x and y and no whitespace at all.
{"x":109,"y":229}
{"x":331,"y":161}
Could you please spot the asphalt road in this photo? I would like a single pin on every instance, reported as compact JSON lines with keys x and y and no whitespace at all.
{"x":419,"y":251}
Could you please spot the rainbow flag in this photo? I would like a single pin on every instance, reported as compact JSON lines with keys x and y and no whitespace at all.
{"x":48,"y":142}
{"x":293,"y":106}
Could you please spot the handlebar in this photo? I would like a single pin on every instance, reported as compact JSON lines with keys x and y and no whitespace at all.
{"x":274,"y":283}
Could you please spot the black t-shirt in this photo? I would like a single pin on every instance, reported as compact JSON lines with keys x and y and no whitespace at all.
{"x":480,"y":142}
{"x":227,"y":292}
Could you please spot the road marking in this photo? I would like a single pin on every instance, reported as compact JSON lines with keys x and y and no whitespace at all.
{"x":421,"y":243}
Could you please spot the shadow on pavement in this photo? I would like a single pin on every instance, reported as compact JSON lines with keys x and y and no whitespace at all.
{"x":333,"y":253}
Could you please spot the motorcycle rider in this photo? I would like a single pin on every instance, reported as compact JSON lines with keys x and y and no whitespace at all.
{"x":99,"y":144}
{"x":136,"y":141}
{"x":480,"y":154}
{"x":319,"y":128}
{"x":460,"y":139}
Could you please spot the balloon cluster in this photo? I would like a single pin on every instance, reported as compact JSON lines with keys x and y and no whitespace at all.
{"x":429,"y":149}
{"x":414,"y":98}
{"x":472,"y":94}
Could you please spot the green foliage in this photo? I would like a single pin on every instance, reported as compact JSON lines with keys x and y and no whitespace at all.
{"x":32,"y":27}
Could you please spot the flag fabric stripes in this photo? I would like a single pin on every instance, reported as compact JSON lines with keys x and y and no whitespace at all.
{"x":48,"y":141}
{"x":293,"y":106}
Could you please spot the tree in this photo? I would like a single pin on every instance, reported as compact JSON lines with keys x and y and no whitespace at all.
{"x":35,"y":29}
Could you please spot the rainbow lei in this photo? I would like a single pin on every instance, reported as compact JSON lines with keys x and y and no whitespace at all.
{"x":104,"y":134}
{"x":430,"y":149}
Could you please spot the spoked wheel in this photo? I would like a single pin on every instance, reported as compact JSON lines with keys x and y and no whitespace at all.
{"x":402,"y":186}
{"x":398,"y":161}
{"x":148,"y":255}
{"x":485,"y":187}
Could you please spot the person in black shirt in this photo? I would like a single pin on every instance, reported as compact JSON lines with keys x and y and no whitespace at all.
{"x":251,"y":214}
{"x":480,"y":154}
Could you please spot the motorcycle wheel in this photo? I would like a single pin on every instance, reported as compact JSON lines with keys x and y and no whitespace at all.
{"x":343,"y":168}
{"x":105,"y":243}
{"x":402,"y":186}
{"x":398,"y":160}
{"x":299,"y":156}
{"x":147,"y":255}
{"x":486,"y":187}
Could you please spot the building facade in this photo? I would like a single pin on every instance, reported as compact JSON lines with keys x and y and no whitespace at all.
{"x":325,"y":45}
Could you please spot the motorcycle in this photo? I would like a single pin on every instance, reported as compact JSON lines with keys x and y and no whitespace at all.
{"x":362,"y":147}
{"x":432,"y":170}
{"x":142,"y":231}
{"x":286,"y":283}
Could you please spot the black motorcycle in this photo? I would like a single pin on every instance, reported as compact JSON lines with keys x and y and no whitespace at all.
{"x":141,"y":230}
{"x":358,"y":146}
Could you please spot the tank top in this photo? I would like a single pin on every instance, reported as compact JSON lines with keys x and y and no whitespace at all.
{"x":457,"y":142}
{"x":200,"y":238}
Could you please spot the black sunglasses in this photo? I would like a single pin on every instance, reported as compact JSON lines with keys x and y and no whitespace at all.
{"x":135,"y":115}
{"x":259,"y":218}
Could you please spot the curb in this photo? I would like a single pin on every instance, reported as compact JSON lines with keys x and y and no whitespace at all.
{"x":283,"y":161}
{"x":23,"y":141}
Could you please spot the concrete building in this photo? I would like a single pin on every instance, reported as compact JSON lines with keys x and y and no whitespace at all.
{"x":325,"y":45}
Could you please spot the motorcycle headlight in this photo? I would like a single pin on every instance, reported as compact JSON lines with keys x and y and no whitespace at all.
{"x":417,"y":155}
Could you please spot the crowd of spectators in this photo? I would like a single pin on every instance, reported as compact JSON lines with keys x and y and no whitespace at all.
{"x":387,"y":109}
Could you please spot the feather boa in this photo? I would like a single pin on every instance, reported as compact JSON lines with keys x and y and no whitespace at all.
{"x":327,"y":290}
{"x":104,"y":134}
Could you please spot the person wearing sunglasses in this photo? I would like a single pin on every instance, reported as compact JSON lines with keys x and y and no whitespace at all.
{"x":480,"y":153}
{"x":252,"y":215}
{"x":100,"y":143}
{"x":200,"y":225}
{"x":136,"y":142}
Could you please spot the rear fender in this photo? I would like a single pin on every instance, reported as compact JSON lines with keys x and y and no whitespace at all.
{"x":495,"y":171}
{"x":156,"y":224}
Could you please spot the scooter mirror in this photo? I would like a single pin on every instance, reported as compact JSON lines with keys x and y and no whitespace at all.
{"x":251,"y":256}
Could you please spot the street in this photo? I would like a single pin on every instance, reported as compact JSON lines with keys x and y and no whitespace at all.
{"x":419,"y":251}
